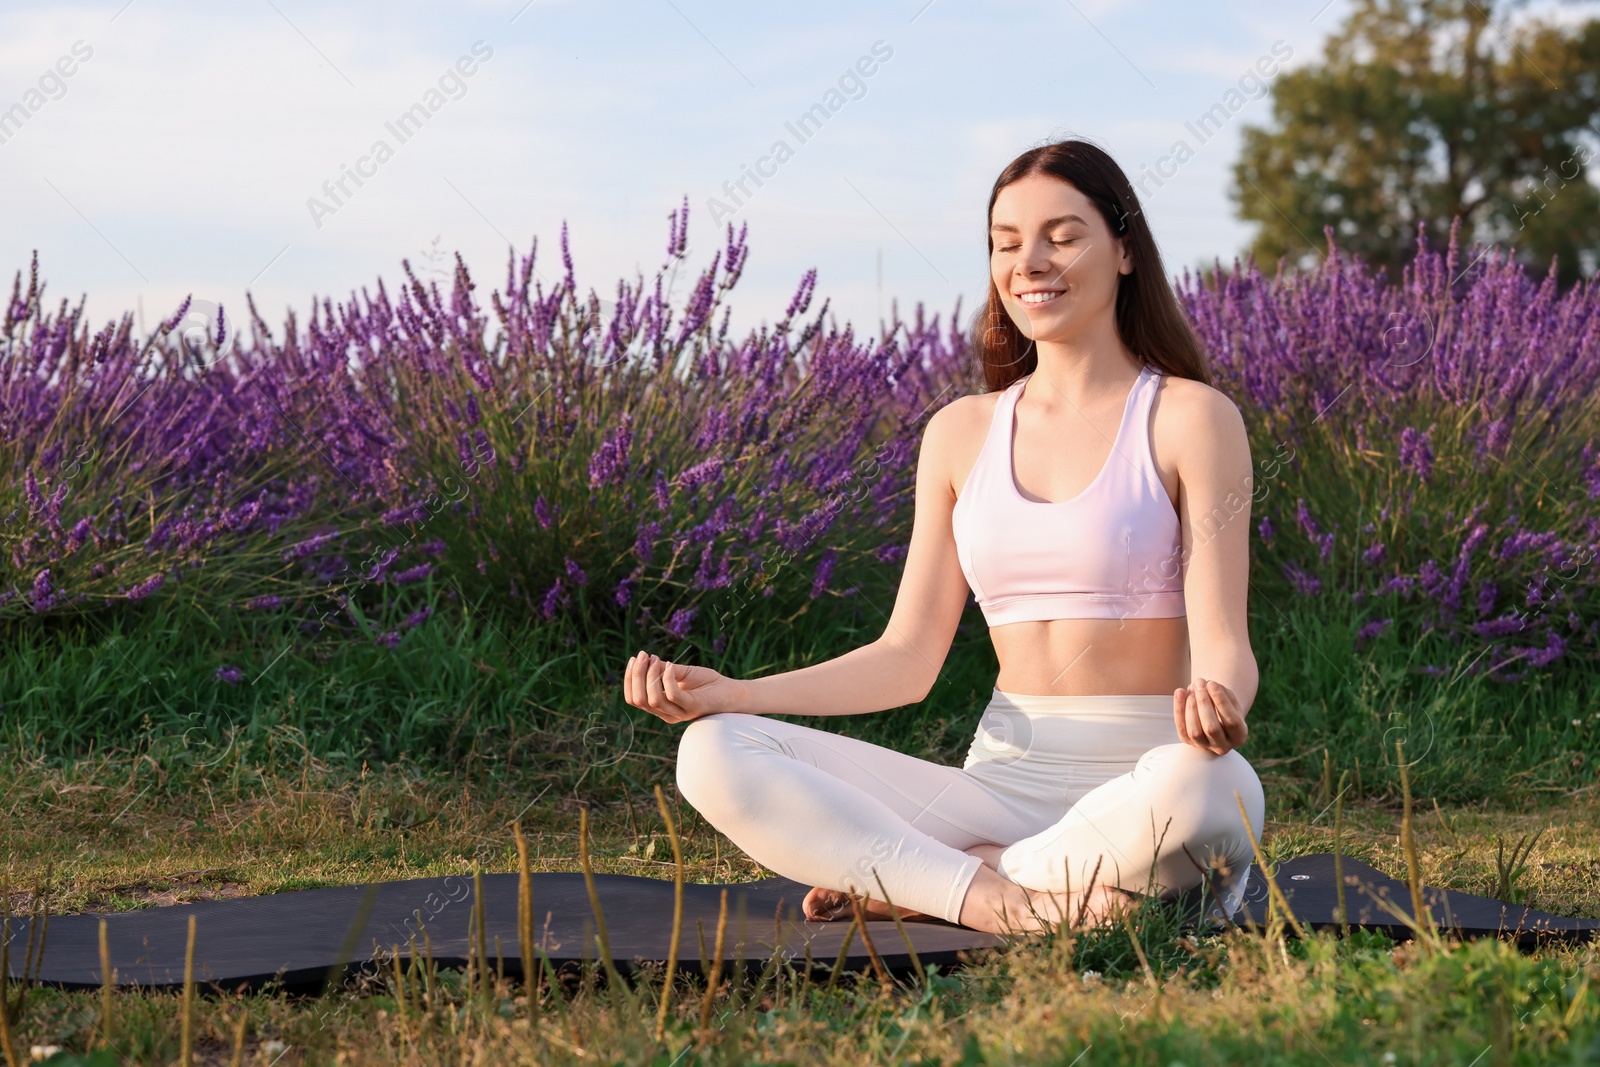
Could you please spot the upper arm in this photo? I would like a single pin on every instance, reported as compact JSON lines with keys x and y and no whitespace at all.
{"x":933,"y":590}
{"x":1214,"y":479}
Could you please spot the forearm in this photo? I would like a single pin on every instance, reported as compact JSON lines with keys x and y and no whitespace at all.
{"x":874,"y":677}
{"x":1234,"y":665}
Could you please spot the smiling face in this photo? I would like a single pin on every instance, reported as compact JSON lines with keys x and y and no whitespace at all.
{"x":1055,"y":262}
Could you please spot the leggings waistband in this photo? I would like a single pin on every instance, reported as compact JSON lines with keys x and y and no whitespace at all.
{"x":1051,"y":704}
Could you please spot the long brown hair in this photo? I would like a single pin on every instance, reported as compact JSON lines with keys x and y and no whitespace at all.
{"x":1149,"y":319}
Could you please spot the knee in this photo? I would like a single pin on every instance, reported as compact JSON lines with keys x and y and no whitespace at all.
{"x":705,"y":760}
{"x":1210,"y":787}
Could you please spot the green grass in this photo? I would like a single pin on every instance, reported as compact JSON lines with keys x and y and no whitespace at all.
{"x":135,"y":779}
{"x":121,"y":831}
{"x":471,"y":687}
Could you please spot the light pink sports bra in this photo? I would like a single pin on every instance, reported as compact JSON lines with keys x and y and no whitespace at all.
{"x":1113,"y":551}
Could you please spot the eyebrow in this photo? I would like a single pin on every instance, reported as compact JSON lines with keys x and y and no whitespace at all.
{"x":1008,"y":228}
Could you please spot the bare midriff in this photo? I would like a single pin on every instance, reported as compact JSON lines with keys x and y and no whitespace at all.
{"x":1092,"y":657}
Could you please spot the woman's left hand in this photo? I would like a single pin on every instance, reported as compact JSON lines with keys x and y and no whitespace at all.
{"x":1209,"y":717}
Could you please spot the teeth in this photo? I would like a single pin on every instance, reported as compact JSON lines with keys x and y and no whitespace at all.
{"x":1038,"y":298}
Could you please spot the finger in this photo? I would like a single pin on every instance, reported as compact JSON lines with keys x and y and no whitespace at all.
{"x":669,"y":685}
{"x":1232,"y":715}
{"x":1179,"y":700}
{"x":1192,"y":718}
{"x":1210,"y":726}
{"x":641,"y":663}
{"x":630,"y":683}
{"x":652,"y":683}
{"x":658,"y":696}
{"x":1209,"y":697}
{"x":641,"y":680}
{"x":1228,"y":712}
{"x":673,"y":691}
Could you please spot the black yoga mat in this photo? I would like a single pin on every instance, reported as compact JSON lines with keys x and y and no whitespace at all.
{"x":298,"y":938}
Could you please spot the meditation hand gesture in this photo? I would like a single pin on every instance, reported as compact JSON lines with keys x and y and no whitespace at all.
{"x":1208,"y":716}
{"x":676,"y":692}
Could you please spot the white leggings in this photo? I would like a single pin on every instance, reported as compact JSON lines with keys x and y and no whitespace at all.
{"x":1063,"y":782}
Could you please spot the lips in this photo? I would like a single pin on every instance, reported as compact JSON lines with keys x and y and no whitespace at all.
{"x":1039,"y":299}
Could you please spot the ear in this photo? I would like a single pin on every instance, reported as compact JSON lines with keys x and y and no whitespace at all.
{"x":1125,"y":262}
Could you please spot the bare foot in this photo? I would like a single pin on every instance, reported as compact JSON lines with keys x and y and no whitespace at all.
{"x":997,"y":905}
{"x":825,"y":905}
{"x":1103,"y":906}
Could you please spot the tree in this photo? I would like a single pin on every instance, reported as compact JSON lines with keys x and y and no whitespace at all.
{"x":1424,"y":110}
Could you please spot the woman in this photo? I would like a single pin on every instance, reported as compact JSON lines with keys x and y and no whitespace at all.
{"x":1095,"y":500}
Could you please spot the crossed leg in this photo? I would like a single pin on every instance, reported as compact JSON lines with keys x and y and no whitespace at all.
{"x":841,"y":814}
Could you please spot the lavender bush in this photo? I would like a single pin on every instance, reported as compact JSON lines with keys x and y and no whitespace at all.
{"x":564,"y":466}
{"x":1439,"y":473}
{"x":627,"y":466}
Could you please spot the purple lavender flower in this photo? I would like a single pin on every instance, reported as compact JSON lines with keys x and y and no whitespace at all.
{"x":1400,"y":583}
{"x":1373,"y":554}
{"x":301,"y":549}
{"x":146,"y":587}
{"x":553,"y":599}
{"x":575,"y":572}
{"x":387,"y":639}
{"x":1303,"y":518}
{"x":264,"y":603}
{"x":541,"y":512}
{"x":682,"y":619}
{"x":824,"y":573}
{"x":1371,"y":630}
{"x":413,"y":574}
{"x":418,"y":617}
{"x":1505,"y":624}
{"x":30,"y":489}
{"x":1432,"y":578}
{"x":405,"y":513}
{"x":379,"y":568}
{"x":44,"y":596}
{"x":230,"y":674}
{"x":624,"y":593}
{"x":1416,"y":453}
{"x":79,"y":534}
{"x":890,"y":553}
{"x":485,"y":450}
{"x":1554,"y":648}
{"x":1304,"y":583}
{"x":644,"y":545}
{"x":609,"y":464}
{"x":1264,"y":530}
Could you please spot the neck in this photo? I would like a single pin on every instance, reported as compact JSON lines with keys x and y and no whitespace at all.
{"x":1084,"y":370}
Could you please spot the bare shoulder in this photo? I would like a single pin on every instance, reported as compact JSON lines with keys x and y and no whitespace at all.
{"x":1186,"y":406}
{"x":954,"y":436}
{"x":960,"y":423}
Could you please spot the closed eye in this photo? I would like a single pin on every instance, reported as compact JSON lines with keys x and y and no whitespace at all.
{"x":1054,"y":241}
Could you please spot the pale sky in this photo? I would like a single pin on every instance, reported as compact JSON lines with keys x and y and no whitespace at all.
{"x":181,"y":153}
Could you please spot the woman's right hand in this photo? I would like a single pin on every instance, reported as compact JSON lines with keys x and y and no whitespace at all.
{"x":676,"y":692}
